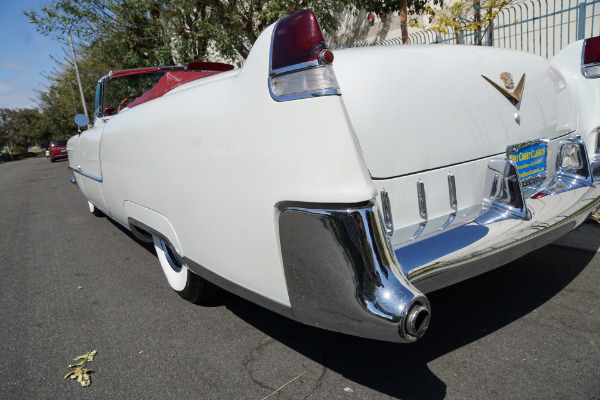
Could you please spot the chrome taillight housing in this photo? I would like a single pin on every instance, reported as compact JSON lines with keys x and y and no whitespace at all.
{"x":300,"y":63}
{"x":590,"y":58}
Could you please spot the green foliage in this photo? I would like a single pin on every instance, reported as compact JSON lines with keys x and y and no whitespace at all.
{"x":19,"y":128}
{"x":389,"y":6}
{"x":136,"y":33}
{"x":119,"y":34}
{"x":466,"y":15}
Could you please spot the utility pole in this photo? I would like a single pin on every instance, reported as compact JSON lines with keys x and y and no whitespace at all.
{"x":77,"y":73}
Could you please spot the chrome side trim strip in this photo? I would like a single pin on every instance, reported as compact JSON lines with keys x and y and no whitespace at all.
{"x":342,"y":275}
{"x":422,"y":199}
{"x":452,"y":191}
{"x":81,"y":172}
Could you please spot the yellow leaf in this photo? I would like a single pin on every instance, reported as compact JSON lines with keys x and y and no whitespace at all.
{"x":80,"y":363}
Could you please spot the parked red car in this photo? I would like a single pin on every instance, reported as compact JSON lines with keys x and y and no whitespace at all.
{"x":58,"y":150}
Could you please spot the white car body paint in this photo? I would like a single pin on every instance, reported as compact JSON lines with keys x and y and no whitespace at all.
{"x":211,"y":164}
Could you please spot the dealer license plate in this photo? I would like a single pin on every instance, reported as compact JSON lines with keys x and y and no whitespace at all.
{"x":530,"y":158}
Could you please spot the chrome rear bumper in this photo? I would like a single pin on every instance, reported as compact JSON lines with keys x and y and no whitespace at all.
{"x":343,"y":274}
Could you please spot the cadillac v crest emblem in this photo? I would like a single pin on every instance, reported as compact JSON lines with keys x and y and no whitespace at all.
{"x":507,"y":79}
{"x":515,"y":96}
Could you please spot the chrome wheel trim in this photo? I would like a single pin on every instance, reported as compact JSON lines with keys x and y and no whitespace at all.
{"x":171,"y":257}
{"x":176,"y":274}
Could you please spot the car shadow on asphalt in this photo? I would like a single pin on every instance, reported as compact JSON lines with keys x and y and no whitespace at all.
{"x":461,"y":314}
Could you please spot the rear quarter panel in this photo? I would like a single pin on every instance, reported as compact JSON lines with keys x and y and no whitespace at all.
{"x":217,"y":158}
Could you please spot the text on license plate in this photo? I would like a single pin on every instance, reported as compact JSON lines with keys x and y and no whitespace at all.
{"x":530,"y":158}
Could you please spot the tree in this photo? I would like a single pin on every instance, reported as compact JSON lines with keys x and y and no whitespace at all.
{"x":158,"y":32}
{"x":20,"y":127}
{"x":465,"y":15}
{"x":403,"y":7}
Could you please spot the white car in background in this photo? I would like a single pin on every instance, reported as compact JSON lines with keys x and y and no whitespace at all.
{"x":339,"y":193}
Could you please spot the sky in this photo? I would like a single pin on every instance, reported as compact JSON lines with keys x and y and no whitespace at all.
{"x":24,"y":54}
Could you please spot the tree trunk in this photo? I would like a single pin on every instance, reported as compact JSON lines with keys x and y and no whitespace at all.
{"x":404,"y":20}
{"x":490,"y":29}
{"x":477,"y":20}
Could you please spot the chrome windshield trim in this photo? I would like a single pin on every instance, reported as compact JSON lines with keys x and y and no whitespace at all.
{"x":81,"y":172}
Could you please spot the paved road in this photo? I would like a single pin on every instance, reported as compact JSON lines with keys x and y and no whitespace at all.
{"x":72,"y":282}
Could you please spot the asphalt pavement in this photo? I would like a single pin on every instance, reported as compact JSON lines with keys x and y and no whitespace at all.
{"x":72,"y":282}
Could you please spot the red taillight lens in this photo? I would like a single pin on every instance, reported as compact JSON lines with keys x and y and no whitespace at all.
{"x":297,"y":39}
{"x":591,"y":51}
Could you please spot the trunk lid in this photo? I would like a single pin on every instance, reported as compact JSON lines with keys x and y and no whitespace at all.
{"x":416,"y":108}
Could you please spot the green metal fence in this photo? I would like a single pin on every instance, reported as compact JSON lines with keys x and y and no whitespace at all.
{"x":541,"y":27}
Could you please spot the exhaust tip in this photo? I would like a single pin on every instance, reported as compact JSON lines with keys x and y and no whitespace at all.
{"x":417,"y":320}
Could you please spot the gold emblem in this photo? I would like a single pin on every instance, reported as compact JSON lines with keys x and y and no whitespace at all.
{"x":507,"y":79}
{"x":515,"y":96}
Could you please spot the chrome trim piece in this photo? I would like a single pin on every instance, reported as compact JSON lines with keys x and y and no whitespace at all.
{"x":506,"y":227}
{"x":321,"y":56}
{"x":567,"y":180}
{"x":452,"y":199}
{"x":482,"y":248}
{"x":80,"y":171}
{"x":422,"y":199}
{"x":419,"y":230}
{"x":388,"y":220}
{"x":504,"y":198}
{"x":452,"y":191}
{"x":171,"y":256}
{"x":342,"y":275}
{"x":290,"y":68}
{"x":595,"y":162}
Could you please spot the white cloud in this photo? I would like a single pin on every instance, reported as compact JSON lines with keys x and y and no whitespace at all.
{"x":15,"y":66}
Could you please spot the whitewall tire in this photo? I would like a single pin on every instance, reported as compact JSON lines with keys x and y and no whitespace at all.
{"x":186,"y":283}
{"x":95,"y":210}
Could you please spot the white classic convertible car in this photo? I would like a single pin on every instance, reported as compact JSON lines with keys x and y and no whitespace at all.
{"x":339,"y":193}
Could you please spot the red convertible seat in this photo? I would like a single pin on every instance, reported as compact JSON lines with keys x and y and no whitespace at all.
{"x":170,"y":81}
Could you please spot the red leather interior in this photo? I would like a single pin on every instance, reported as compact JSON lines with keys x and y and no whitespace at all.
{"x":170,"y":81}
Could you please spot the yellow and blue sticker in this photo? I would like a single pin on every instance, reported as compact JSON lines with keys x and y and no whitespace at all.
{"x":531,"y":165}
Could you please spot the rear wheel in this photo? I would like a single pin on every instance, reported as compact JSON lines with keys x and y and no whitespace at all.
{"x":95,"y":210}
{"x":186,"y":283}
